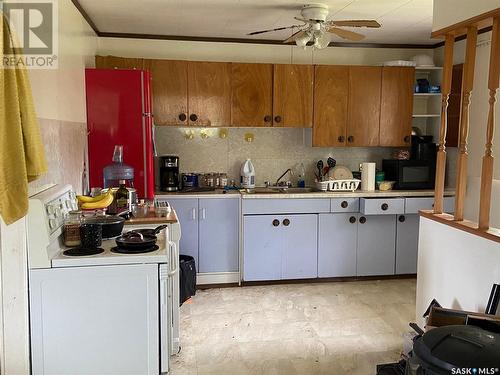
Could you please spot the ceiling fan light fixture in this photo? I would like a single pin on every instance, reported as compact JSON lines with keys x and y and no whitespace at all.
{"x":323,"y":40}
{"x":302,"y":40}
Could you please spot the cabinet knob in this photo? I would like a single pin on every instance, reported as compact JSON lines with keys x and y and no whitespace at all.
{"x":341,"y":139}
{"x":268,"y":118}
{"x":350,"y":139}
{"x":352,"y":219}
{"x":407,"y":139}
{"x":182,"y":117}
{"x":193,"y":117}
{"x":277,"y":118}
{"x":384,"y":206}
{"x":286,"y":222}
{"x":362,"y":219}
{"x":402,"y":218}
{"x":276,"y":222}
{"x":344,"y":204}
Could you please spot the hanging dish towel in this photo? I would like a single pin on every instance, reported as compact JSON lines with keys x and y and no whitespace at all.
{"x":22,"y":157}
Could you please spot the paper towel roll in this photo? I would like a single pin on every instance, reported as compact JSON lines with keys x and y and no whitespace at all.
{"x":368,"y":176}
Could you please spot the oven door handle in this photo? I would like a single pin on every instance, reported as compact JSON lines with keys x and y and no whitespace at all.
{"x":173,"y":246}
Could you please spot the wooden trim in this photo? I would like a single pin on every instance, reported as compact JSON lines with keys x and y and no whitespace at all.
{"x":491,"y":234}
{"x":488,"y":159}
{"x":463,"y":37}
{"x":85,"y":15}
{"x":460,"y":28}
{"x":467,"y":86}
{"x":441,"y":155}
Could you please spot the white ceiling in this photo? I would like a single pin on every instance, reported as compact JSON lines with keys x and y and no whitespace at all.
{"x":403,"y":21}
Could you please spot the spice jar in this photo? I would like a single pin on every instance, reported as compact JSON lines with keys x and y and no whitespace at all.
{"x":72,"y":228}
{"x":223,"y":180}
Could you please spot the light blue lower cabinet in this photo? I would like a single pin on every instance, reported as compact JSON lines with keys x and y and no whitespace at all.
{"x":407,"y":244}
{"x":187,"y":213}
{"x":376,"y":250}
{"x":300,"y":246}
{"x":218,"y":235}
{"x":337,"y":244}
{"x":279,"y":247}
{"x":262,"y":245}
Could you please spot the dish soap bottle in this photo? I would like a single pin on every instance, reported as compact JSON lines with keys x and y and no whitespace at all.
{"x":247,"y":177}
{"x":301,"y":180}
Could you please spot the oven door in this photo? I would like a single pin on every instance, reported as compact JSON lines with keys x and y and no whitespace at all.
{"x":417,"y":174}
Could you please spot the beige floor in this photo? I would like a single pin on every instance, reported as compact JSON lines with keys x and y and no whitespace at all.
{"x":328,"y":328}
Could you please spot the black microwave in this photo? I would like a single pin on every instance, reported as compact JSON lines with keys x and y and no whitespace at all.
{"x":410,"y":174}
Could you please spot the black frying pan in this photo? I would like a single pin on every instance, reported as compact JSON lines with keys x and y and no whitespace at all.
{"x":149,"y":231}
{"x":136,"y":241}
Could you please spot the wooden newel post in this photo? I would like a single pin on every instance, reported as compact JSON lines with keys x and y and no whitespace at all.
{"x":441,"y":155}
{"x":467,"y":85}
{"x":487,"y":168}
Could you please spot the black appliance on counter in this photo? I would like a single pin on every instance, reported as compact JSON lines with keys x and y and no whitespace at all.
{"x":419,"y":172}
{"x":169,"y":173}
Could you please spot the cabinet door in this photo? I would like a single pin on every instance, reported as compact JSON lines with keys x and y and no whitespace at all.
{"x":300,"y":246}
{"x":396,"y":106}
{"x":169,"y":91}
{"x":293,"y":95}
{"x":376,"y":245}
{"x":331,"y":92}
{"x":364,"y":106}
{"x":262,"y":245}
{"x":114,"y":62}
{"x":337,"y":245}
{"x":218,"y":235}
{"x":252,"y":94}
{"x":407,"y":244}
{"x":187,"y":213}
{"x":209,"y":93}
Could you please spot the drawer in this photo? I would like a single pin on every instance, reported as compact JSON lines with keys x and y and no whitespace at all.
{"x":344,"y":205}
{"x":382,"y":206}
{"x":255,"y":206}
{"x":413,"y":205}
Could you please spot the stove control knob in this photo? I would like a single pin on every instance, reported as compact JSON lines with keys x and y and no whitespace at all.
{"x":58,"y":212}
{"x":50,"y":210}
{"x":68,"y":204}
{"x":52,"y":223}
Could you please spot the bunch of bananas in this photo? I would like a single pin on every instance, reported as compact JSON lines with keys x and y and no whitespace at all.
{"x":95,"y":203}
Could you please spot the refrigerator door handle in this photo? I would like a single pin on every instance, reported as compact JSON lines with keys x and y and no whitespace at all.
{"x":173,"y":246}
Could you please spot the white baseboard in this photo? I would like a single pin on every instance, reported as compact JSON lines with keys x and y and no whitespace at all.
{"x":217,"y":278}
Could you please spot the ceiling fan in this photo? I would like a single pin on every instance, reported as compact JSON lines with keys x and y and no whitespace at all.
{"x":318,"y":30}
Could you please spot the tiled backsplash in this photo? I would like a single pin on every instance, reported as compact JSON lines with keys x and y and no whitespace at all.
{"x":272,"y":151}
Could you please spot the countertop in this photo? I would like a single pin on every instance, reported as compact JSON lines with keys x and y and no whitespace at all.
{"x":317,"y":194}
{"x":171,"y":218}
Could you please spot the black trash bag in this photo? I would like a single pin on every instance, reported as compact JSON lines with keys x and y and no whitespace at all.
{"x":187,"y":278}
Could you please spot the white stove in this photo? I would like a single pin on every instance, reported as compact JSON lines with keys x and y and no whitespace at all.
{"x":106,"y":313}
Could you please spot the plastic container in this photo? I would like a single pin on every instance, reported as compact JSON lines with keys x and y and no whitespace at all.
{"x":118,"y":170}
{"x":247,"y":176}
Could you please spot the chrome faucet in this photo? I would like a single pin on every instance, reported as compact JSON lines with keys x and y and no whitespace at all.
{"x":288,"y":183}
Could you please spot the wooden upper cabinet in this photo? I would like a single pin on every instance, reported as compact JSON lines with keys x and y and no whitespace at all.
{"x":252,"y":94}
{"x":364,"y":106}
{"x":170,"y":91}
{"x":209,"y":93}
{"x":293,"y":95}
{"x":331,"y":92}
{"x":396,"y":106}
{"x":113,"y":62}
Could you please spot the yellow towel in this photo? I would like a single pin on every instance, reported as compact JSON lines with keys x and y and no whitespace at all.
{"x":22,"y":157}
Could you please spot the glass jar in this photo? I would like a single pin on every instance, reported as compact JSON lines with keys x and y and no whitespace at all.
{"x":72,"y":225}
{"x":223,"y":180}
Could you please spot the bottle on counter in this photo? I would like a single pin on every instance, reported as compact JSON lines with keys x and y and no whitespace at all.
{"x":72,"y":225}
{"x":247,"y":178}
{"x":301,"y":180}
{"x":122,"y":198}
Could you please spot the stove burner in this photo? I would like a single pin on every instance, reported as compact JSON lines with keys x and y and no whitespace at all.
{"x":121,"y":250}
{"x":80,"y":251}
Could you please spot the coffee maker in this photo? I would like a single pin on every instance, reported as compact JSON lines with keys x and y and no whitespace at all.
{"x":422,"y":148}
{"x":169,"y":173}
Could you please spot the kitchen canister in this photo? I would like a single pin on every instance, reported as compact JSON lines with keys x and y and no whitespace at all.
{"x":368,"y":176}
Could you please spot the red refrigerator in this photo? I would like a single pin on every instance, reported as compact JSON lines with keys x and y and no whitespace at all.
{"x":119,"y":113}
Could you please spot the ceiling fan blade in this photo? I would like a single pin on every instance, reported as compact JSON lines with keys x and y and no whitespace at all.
{"x":355,"y":23}
{"x":346,"y":34}
{"x":294,"y":36}
{"x":270,"y":30}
